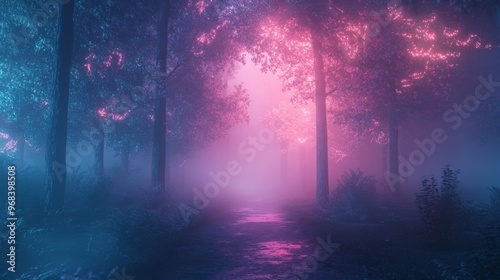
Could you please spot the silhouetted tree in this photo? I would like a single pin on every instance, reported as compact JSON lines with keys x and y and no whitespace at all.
{"x":56,"y":143}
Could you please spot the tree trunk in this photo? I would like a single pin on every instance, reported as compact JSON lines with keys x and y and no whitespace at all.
{"x":160,"y":114}
{"x":284,"y":165}
{"x":394,"y":152}
{"x":56,"y":142}
{"x":99,"y":152}
{"x":498,"y":15}
{"x":321,"y":128}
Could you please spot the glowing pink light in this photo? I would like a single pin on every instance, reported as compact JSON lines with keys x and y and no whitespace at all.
{"x":448,"y":33}
{"x":202,"y":5}
{"x":102,"y":112}
{"x":277,"y":250}
{"x":4,"y":135}
{"x":120,"y":56}
{"x":11,"y":145}
{"x":88,"y":65}
{"x":109,"y":62}
{"x":118,"y":117}
{"x":261,"y":218}
{"x":466,"y":42}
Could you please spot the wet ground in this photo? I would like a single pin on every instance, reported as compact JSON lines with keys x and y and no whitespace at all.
{"x":263,"y":239}
{"x":253,"y":240}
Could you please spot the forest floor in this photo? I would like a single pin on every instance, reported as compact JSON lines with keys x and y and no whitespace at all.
{"x":268,"y":240}
{"x":240,"y":239}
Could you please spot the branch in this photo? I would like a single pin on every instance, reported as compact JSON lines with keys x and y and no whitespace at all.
{"x":330,"y":92}
{"x":173,"y":70}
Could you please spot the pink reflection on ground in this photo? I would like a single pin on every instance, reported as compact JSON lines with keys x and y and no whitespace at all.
{"x":261,"y":218}
{"x":278,"y":252}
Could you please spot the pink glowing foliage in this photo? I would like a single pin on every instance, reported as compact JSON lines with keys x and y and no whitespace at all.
{"x":103,"y":113}
{"x":405,"y":67}
{"x":93,"y":63}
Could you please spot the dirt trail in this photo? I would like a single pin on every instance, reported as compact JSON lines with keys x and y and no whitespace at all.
{"x":254,"y":240}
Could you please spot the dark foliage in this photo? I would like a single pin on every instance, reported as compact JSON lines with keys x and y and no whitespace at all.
{"x":485,"y":262}
{"x":440,"y":207}
{"x":355,"y":196}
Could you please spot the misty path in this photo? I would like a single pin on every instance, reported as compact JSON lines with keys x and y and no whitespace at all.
{"x":250,"y":241}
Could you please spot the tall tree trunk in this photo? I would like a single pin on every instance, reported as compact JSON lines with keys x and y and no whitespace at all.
{"x":498,"y":15}
{"x":394,"y":151}
{"x":284,"y":165}
{"x":99,"y":151}
{"x":160,"y":114}
{"x":56,"y":142}
{"x":321,"y":128}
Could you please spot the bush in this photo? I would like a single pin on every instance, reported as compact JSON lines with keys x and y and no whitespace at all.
{"x":440,"y":207}
{"x":354,"y":198}
{"x":486,"y":261}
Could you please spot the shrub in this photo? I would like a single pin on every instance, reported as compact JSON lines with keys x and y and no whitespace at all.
{"x":354,"y":198}
{"x":440,"y":207}
{"x":486,"y":261}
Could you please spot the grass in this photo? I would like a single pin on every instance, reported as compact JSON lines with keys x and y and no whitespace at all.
{"x":102,"y":229}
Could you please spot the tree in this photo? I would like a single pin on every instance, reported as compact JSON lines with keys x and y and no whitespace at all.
{"x":405,"y":69}
{"x":298,"y":41}
{"x":24,"y":79}
{"x":293,"y":126}
{"x":56,"y":143}
{"x":160,"y":113}
{"x":198,"y":51}
{"x":112,"y":77}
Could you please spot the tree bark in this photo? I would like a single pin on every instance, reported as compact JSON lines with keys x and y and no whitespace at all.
{"x":99,"y":152}
{"x":56,"y":142}
{"x":284,"y":165}
{"x":394,"y":151}
{"x":321,"y":127}
{"x":160,"y":112}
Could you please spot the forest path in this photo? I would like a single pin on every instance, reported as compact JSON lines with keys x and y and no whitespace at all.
{"x":251,"y":240}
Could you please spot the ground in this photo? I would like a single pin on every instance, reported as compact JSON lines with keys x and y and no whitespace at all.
{"x":265,"y":239}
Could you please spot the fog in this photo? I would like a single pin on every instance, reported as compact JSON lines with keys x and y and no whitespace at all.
{"x":250,"y":140}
